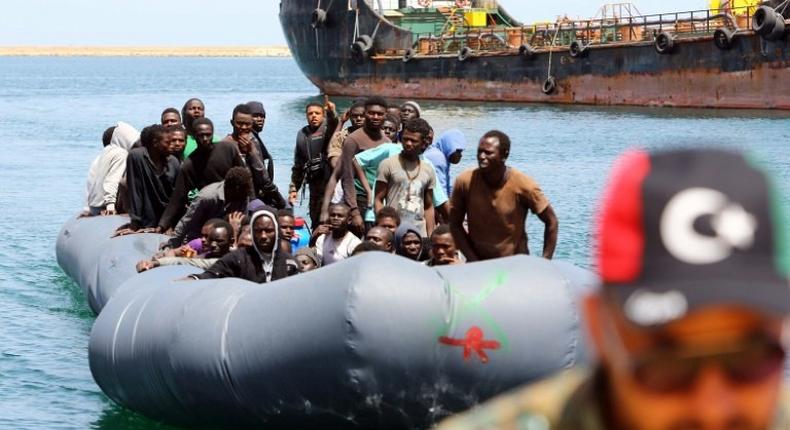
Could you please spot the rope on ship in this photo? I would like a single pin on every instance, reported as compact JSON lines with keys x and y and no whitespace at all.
{"x":550,"y":85}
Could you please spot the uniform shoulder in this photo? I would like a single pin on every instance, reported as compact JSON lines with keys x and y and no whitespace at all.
{"x":542,"y":403}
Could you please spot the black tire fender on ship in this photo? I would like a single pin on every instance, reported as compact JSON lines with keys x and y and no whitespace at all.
{"x":526,"y":51}
{"x":408,"y":55}
{"x":549,"y":86}
{"x":318,"y":18}
{"x":465,"y":53}
{"x":664,"y":43}
{"x":722,"y":38}
{"x":768,"y":23}
{"x":577,"y":49}
{"x":361,"y":47}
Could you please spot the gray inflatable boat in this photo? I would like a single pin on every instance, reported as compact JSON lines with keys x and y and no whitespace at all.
{"x":376,"y":341}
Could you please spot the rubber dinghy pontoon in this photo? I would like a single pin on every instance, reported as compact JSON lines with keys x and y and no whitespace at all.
{"x":376,"y":341}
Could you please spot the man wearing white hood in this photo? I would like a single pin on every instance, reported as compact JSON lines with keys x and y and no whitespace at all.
{"x":107,"y":170}
{"x":263,"y":262}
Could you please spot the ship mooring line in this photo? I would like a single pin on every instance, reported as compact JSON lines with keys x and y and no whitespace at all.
{"x":551,"y":51}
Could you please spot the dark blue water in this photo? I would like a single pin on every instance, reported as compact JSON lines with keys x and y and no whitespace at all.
{"x":54,"y":110}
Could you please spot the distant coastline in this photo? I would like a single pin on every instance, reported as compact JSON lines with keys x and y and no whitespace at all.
{"x":145,"y":51}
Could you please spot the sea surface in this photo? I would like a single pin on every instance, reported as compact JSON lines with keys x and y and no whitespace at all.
{"x":52,"y":115}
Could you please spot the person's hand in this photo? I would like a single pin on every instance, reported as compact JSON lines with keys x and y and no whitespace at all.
{"x":357,"y":222}
{"x":106,"y":212}
{"x":292,"y":197}
{"x":371,"y":200}
{"x":324,"y":217}
{"x":346,"y":116}
{"x":124,"y":232}
{"x":245,"y":143}
{"x":84,"y":214}
{"x":234,"y":218}
{"x":145,"y":265}
{"x":322,"y":229}
{"x":328,"y":105}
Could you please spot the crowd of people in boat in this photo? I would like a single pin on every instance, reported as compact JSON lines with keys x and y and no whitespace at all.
{"x":375,"y":178}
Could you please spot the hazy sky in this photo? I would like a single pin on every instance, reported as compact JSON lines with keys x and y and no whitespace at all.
{"x":226,"y":22}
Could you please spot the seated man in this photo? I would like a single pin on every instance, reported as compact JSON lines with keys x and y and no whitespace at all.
{"x":217,"y":244}
{"x":381,"y":237}
{"x":333,"y":241}
{"x":388,"y":218}
{"x":214,"y":201}
{"x":443,"y":250}
{"x":262,"y":262}
{"x":364,"y":247}
{"x":108,"y":168}
{"x":308,"y":259}
{"x":688,"y":321}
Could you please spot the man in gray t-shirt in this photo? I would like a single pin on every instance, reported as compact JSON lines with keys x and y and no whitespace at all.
{"x":406,"y":183}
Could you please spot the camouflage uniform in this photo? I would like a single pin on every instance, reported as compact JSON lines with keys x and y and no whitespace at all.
{"x":569,"y":401}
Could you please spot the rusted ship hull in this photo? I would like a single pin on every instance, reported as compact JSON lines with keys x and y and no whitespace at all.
{"x":752,"y":74}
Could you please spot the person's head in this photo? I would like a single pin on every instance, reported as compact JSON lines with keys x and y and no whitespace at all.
{"x":338,"y":218}
{"x":443,"y":250}
{"x":365,"y":246}
{"x":413,"y":137}
{"x":408,"y":111}
{"x":219,"y":239}
{"x":258,"y":115}
{"x":203,"y":131}
{"x":314,"y":112}
{"x":391,"y":127}
{"x":177,"y":138}
{"x":170,"y":117}
{"x":394,"y":109}
{"x":687,"y":322}
{"x":192,"y":110}
{"x":241,"y":120}
{"x":238,"y":183}
{"x":106,"y":137}
{"x":408,"y":242}
{"x":308,"y":259}
{"x":285,"y":217}
{"x":357,"y":115}
{"x":389,"y":218}
{"x":155,"y":139}
{"x":244,"y":238}
{"x":452,"y":144}
{"x":265,"y":236}
{"x":381,"y":237}
{"x":493,"y":150}
{"x":375,"y":109}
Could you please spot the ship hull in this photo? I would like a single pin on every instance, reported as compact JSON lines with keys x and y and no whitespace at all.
{"x":753,"y":74}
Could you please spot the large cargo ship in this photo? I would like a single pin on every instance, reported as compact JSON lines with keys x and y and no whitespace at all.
{"x":733,"y":55}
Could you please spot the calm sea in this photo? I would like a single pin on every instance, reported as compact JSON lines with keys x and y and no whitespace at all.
{"x":54,"y":110}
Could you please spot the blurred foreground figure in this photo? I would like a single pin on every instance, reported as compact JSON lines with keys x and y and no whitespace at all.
{"x":687,"y":323}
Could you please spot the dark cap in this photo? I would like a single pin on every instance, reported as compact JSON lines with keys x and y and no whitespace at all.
{"x":688,"y":228}
{"x":256,"y":108}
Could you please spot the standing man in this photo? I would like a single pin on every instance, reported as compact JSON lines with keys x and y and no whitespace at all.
{"x":688,"y":323}
{"x":311,"y":167}
{"x":495,"y":199}
{"x":367,"y":137}
{"x":447,"y":150}
{"x":177,"y":137}
{"x":406,"y":182}
{"x":263,"y":186}
{"x":258,"y":122}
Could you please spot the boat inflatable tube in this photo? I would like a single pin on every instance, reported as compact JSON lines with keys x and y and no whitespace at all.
{"x":375,"y":341}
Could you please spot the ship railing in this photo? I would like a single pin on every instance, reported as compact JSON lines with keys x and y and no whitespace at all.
{"x":598,"y":31}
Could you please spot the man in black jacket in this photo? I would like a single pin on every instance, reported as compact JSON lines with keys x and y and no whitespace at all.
{"x":311,"y":167}
{"x":263,"y":262}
